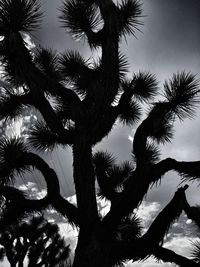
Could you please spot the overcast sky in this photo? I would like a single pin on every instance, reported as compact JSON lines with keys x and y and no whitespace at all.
{"x":169,"y":42}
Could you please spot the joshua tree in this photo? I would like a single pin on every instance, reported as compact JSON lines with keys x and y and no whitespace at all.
{"x":79,"y":102}
{"x":36,"y":239}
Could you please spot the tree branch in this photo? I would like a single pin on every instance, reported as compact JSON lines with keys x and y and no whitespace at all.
{"x":167,"y":255}
{"x":188,"y":170}
{"x":148,"y":127}
{"x":160,"y":226}
{"x":53,"y":188}
{"x":192,"y":213}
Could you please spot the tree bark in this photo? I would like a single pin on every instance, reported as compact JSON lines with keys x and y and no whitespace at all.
{"x":88,"y":248}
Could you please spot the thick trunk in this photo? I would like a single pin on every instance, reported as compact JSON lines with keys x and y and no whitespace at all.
{"x":94,"y":250}
{"x":84,"y":180}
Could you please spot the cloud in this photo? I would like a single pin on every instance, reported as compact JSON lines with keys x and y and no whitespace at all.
{"x":147,"y":211}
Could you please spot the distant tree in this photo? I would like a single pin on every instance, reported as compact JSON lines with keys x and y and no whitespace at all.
{"x":36,"y":239}
{"x":80,"y":100}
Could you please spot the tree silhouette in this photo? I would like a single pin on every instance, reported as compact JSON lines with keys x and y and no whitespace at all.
{"x":79,"y":101}
{"x":36,"y":239}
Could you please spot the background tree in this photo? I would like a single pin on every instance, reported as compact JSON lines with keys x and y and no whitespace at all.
{"x":36,"y":239}
{"x":79,"y":101}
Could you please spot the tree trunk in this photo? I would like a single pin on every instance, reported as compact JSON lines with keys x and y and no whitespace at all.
{"x":93,"y":251}
{"x":88,"y":248}
{"x":84,"y":180}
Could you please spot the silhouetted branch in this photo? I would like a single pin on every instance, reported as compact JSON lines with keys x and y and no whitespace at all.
{"x":188,"y":170}
{"x":160,"y":226}
{"x":181,"y":94}
{"x":167,"y":255}
{"x":53,"y":188}
{"x":193,"y":213}
{"x":22,"y":160}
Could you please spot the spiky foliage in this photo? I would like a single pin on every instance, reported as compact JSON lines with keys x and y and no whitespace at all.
{"x":10,"y":106}
{"x":181,"y":92}
{"x":195,"y":253}
{"x":48,"y":62}
{"x":110,"y":176}
{"x":151,"y":154}
{"x":129,"y":16}
{"x":123,"y":66}
{"x":118,"y":174}
{"x":144,"y":86}
{"x":129,"y":110}
{"x":162,"y":131}
{"x":10,"y":163}
{"x":79,"y":17}
{"x":19,"y":15}
{"x":42,"y":138}
{"x":130,"y":228}
{"x":76,"y":71}
{"x":103,"y":160}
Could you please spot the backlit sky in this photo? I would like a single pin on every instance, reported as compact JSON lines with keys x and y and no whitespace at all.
{"x":169,"y":42}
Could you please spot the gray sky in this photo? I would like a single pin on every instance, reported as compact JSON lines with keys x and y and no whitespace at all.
{"x":169,"y":42}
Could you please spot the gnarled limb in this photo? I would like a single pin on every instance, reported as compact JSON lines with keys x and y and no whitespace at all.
{"x":188,"y":170}
{"x":160,"y":226}
{"x":192,"y":213}
{"x":147,"y":128}
{"x":53,"y":196}
{"x":167,"y":255}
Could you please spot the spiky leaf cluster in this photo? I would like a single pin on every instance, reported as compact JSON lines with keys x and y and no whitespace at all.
{"x":110,"y":176}
{"x":11,"y":151}
{"x":144,"y":86}
{"x":48,"y":62}
{"x":76,"y":71}
{"x":42,"y":138}
{"x":181,"y":92}
{"x":195,"y":254}
{"x":80,"y":17}
{"x":130,"y":228}
{"x":129,"y":17}
{"x":10,"y":106}
{"x":150,"y":154}
{"x":118,"y":174}
{"x":19,"y":15}
{"x":129,"y":110}
{"x":103,"y":160}
{"x":161,"y":129}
